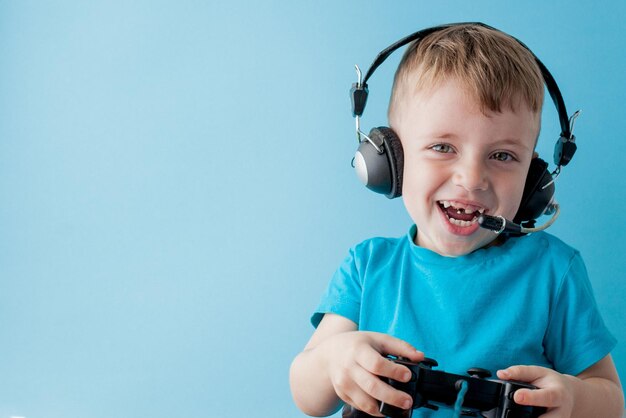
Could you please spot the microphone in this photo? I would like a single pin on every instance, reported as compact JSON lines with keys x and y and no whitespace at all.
{"x":499,"y":224}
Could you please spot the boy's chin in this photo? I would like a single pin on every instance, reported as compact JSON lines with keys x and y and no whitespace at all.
{"x":452,"y":245}
{"x":459,"y":248}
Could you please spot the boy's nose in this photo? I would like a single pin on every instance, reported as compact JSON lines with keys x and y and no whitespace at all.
{"x":471,"y":175}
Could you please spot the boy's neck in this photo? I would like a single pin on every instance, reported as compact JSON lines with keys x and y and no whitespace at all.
{"x":498,"y":241}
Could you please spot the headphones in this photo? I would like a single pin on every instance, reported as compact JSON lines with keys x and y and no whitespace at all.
{"x":379,"y":160}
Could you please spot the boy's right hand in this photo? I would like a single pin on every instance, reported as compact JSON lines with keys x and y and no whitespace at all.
{"x":356,"y":360}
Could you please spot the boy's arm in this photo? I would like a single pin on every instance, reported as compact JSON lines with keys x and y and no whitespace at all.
{"x":596,"y":392}
{"x":599,"y":391}
{"x":310,"y":386}
{"x":342,"y":364}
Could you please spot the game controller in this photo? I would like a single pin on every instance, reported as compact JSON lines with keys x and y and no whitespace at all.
{"x":433,"y":388}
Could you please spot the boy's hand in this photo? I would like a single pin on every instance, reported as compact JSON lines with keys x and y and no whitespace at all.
{"x":555,"y":389}
{"x":354,"y":362}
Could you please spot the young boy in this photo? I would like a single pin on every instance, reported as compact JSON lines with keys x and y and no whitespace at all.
{"x":466,"y":105}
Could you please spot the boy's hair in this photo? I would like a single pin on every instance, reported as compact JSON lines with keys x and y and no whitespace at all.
{"x":494,"y":68}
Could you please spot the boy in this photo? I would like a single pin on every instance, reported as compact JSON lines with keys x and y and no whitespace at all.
{"x":466,"y":105}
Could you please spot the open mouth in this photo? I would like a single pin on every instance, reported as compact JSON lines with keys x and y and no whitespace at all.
{"x":460,"y":214}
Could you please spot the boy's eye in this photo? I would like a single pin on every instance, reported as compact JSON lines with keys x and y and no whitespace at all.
{"x":502,"y":156}
{"x":443,"y":148}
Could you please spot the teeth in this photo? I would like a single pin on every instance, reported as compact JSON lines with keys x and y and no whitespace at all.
{"x":461,"y":208}
{"x":462,"y":223}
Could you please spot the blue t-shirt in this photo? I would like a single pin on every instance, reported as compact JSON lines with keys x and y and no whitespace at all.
{"x":527,"y":301}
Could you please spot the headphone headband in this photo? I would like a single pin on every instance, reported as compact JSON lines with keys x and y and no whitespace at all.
{"x":566,"y":146}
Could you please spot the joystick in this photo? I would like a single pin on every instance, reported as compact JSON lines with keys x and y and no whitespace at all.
{"x":479,"y":373}
{"x":486,"y":398}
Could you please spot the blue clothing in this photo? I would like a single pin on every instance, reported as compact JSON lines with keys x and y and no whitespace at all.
{"x":528,"y":301}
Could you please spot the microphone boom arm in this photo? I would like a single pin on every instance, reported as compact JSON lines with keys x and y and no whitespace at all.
{"x":499,"y":224}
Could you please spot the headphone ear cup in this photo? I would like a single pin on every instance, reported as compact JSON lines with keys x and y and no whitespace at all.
{"x":538,"y":192}
{"x":381,"y":172}
{"x":395,"y":155}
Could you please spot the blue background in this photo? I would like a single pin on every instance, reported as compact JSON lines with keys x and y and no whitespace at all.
{"x":176,"y":189}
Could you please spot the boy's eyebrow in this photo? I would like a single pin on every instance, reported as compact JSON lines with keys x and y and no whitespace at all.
{"x":515,"y":142}
{"x":446,"y":136}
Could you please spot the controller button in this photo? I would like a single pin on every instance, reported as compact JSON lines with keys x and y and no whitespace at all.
{"x":479,"y":373}
{"x":429,"y":362}
{"x":511,"y":394}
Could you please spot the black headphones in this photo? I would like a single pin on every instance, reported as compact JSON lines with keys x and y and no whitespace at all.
{"x":379,"y":160}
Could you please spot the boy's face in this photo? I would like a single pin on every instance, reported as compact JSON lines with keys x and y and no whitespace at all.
{"x":459,"y":162}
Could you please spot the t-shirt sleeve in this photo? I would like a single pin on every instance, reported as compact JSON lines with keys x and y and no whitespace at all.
{"x":343,"y":294}
{"x":576,"y":337}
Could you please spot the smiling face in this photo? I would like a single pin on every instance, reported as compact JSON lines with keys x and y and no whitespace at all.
{"x":460,"y":161}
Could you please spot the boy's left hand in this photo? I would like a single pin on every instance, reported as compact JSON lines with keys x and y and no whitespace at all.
{"x":555,"y":389}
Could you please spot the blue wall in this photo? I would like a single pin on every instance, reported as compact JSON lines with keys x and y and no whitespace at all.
{"x":176,"y":189}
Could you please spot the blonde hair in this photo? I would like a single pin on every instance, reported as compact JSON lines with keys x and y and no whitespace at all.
{"x":493,"y":67}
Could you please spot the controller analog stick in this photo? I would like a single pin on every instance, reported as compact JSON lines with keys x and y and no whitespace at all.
{"x":429,"y":362}
{"x":479,"y":373}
